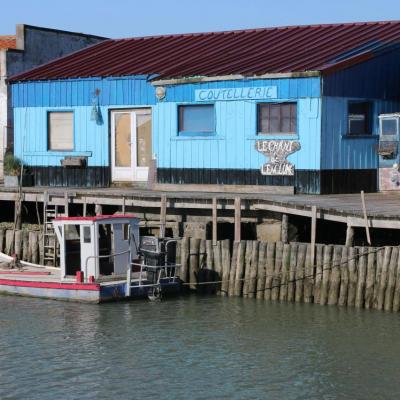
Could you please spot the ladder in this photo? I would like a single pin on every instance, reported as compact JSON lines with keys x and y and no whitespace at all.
{"x":50,"y":248}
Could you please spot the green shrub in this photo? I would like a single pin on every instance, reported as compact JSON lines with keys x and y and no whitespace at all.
{"x":12,"y":165}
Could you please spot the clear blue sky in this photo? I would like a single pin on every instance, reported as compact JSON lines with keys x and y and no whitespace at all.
{"x":126,"y":18}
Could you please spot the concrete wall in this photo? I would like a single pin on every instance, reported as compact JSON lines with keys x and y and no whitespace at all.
{"x":35,"y":46}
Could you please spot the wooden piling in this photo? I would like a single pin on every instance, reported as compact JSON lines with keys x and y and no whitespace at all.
{"x":291,"y":287}
{"x":253,"y":272}
{"x":308,"y":285}
{"x":25,"y":246}
{"x":226,"y":259}
{"x":396,"y":294}
{"x":318,"y":273}
{"x":326,"y":273}
{"x":352,"y":265}
{"x":391,"y":282}
{"x":349,"y":235}
{"x":34,"y":238}
{"x":379,"y":264}
{"x":240,"y":269}
{"x":202,"y":273}
{"x":194,"y":262}
{"x":362,"y":275}
{"x":238,"y":223}
{"x":214,"y":221}
{"x":285,"y":272}
{"x":344,"y":277}
{"x":334,"y":282}
{"x":370,"y":280}
{"x":270,"y":263}
{"x":261,"y":270}
{"x":183,"y":273}
{"x":9,"y":241}
{"x":217,"y":260}
{"x":383,"y":278}
{"x":2,"y":240}
{"x":285,"y":228}
{"x":300,"y":266}
{"x":277,"y":271}
{"x":18,"y":243}
{"x":247,"y":267}
{"x":232,"y":270}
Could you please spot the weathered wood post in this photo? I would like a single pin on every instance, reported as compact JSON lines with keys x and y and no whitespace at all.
{"x":226,"y":260}
{"x":262,"y":251}
{"x":247,"y":268}
{"x":269,"y":270}
{"x":349,"y":235}
{"x":18,"y":243}
{"x":214,"y":221}
{"x":285,"y":272}
{"x":9,"y":241}
{"x":194,"y":262}
{"x":25,"y":245}
{"x":163,"y":215}
{"x":334,"y":283}
{"x":318,"y":273}
{"x":291,"y":287}
{"x":237,"y":282}
{"x":370,"y":281}
{"x":309,"y":275}
{"x":391,"y":283}
{"x":183,"y":273}
{"x":2,"y":237}
{"x":285,"y":228}
{"x":300,"y":265}
{"x":396,"y":295}
{"x":353,"y":276}
{"x":238,"y":223}
{"x":384,"y":278}
{"x":251,"y":293}
{"x":326,"y":273}
{"x":344,"y":277}
{"x":277,"y":271}
{"x":362,"y":274}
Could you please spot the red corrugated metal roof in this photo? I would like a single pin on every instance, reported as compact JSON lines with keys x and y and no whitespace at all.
{"x":8,"y":42}
{"x":245,"y":52}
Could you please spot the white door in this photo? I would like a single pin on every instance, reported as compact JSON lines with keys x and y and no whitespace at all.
{"x":130,"y":144}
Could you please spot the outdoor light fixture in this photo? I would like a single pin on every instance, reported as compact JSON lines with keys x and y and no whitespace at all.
{"x":160,"y":92}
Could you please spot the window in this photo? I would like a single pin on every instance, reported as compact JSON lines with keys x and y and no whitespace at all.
{"x":277,"y":118}
{"x":87,"y":237}
{"x":389,"y":126}
{"x":197,"y":119}
{"x":359,"y":118}
{"x":61,"y":131}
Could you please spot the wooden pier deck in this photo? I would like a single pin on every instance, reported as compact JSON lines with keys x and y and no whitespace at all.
{"x":383,"y":209}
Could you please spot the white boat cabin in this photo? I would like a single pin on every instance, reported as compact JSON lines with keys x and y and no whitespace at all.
{"x":96,"y":247}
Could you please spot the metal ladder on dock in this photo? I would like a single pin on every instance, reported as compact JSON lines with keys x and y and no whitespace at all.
{"x":50,"y":248}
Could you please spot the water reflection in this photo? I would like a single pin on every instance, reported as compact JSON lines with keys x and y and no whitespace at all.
{"x":205,"y":347}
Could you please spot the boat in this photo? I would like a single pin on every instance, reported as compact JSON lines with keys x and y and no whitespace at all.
{"x":101,"y":258}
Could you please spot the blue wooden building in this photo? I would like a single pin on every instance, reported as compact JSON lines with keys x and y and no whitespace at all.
{"x":291,"y":108}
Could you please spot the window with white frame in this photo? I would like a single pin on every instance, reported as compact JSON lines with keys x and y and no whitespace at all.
{"x":60,"y":130}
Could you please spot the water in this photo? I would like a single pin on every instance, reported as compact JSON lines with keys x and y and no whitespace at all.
{"x":196,"y":348}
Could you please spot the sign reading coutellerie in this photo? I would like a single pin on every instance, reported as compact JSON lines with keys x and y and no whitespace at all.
{"x":244,"y":93}
{"x":277,"y":151}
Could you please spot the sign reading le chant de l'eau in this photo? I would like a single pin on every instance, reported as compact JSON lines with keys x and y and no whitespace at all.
{"x":277,"y":151}
{"x":244,"y":93}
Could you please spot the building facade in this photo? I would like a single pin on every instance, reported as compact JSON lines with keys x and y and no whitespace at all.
{"x":293,"y":122}
{"x":30,"y":47}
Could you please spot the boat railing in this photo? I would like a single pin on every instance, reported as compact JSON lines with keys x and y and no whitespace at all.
{"x":166,"y":271}
{"x":102,"y":257}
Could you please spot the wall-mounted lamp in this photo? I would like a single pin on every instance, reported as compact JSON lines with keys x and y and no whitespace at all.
{"x":160,"y":92}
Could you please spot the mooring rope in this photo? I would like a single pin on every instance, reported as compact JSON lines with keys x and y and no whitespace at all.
{"x":279,"y":275}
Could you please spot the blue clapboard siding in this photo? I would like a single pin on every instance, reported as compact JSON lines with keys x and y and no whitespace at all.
{"x":30,"y":141}
{"x":233,"y":144}
{"x":377,"y":78}
{"x":339,"y":151}
{"x":232,"y":147}
{"x":79,"y":92}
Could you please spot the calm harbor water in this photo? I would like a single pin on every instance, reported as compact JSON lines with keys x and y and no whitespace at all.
{"x":196,"y":348}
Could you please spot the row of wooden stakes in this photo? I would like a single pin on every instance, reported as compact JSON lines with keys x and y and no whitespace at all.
{"x":364,"y":277}
{"x":25,"y":244}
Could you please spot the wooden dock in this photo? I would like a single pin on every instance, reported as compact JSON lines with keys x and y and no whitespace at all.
{"x":382,"y":210}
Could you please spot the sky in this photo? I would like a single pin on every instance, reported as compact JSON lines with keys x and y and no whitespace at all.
{"x":127,"y":18}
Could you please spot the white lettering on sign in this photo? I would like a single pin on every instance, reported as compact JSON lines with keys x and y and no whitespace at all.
{"x":244,"y":93}
{"x":277,"y":151}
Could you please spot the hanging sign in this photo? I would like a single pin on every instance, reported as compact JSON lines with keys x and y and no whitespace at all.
{"x":244,"y":93}
{"x":277,"y":151}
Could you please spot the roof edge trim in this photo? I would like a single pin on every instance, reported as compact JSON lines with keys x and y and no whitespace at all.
{"x":201,"y":79}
